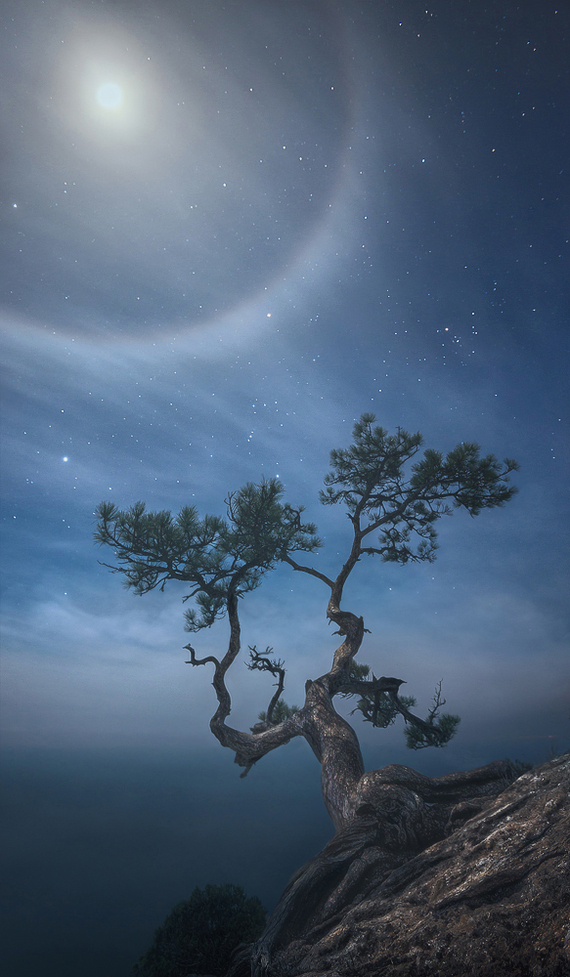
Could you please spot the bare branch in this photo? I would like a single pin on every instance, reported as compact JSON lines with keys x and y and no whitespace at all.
{"x":310,"y":570}
{"x":199,"y":661}
{"x":264,"y":664}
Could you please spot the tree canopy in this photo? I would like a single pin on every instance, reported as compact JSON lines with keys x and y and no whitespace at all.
{"x":220,"y":558}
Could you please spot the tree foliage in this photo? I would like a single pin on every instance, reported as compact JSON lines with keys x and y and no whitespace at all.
{"x":370,"y":479}
{"x":220,"y":558}
{"x":199,"y":935}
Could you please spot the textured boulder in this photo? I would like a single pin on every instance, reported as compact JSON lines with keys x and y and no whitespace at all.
{"x":492,"y":899}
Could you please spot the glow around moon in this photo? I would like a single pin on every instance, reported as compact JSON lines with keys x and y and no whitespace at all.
{"x":106,"y":88}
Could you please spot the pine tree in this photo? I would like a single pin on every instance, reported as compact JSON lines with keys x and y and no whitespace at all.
{"x":394,"y":499}
{"x":200,"y":934}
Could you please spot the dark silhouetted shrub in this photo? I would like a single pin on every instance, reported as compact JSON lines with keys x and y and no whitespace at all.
{"x":200,"y":934}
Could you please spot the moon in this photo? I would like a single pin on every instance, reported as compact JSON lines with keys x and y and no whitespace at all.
{"x":110,"y":95}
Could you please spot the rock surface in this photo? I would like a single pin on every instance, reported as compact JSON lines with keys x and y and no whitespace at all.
{"x":492,"y":899}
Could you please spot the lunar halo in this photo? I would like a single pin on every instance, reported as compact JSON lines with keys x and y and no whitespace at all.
{"x":115,"y":105}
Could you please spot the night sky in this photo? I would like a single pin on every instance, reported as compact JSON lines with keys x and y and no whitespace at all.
{"x":228,"y":229}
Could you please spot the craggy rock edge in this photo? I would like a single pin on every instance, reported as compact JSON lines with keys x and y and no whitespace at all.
{"x":492,"y":899}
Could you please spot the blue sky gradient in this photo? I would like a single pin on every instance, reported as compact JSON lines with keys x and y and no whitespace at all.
{"x":296,"y":214}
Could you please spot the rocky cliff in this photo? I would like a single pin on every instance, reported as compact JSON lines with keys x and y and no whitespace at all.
{"x":490,"y":899}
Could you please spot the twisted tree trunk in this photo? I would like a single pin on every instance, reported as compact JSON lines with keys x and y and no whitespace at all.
{"x":331,"y":738}
{"x":383,"y":816}
{"x":398,"y":814}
